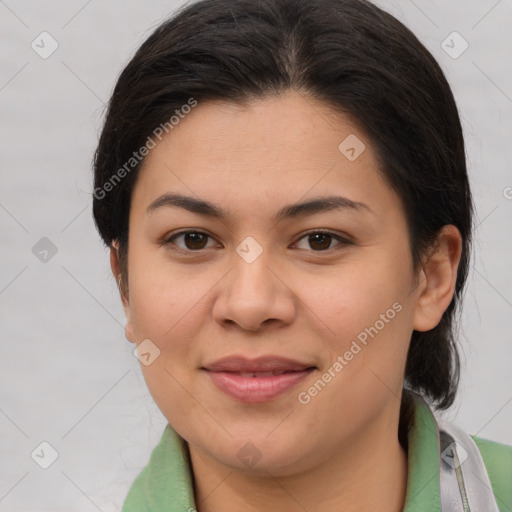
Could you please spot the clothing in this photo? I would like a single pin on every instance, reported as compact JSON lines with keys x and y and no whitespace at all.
{"x":165,"y":484}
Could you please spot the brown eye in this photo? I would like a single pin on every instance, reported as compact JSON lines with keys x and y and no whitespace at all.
{"x":193,"y":240}
{"x":319,"y":241}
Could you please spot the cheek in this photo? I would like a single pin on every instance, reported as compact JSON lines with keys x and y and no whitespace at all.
{"x":368,"y":310}
{"x":355,"y":297}
{"x":163,"y":298}
{"x":169,"y":311}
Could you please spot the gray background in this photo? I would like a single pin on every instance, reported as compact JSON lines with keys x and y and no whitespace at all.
{"x":67,"y":374}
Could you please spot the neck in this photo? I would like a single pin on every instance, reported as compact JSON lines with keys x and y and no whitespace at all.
{"x":369,"y":473}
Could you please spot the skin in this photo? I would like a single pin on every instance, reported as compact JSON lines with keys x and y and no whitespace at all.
{"x":300,"y":299}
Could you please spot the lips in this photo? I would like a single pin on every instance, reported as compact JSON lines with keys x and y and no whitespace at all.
{"x":256,"y":380}
{"x":272,"y":365}
{"x":261,"y":374}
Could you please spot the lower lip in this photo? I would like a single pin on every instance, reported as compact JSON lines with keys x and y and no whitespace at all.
{"x":256,"y":389}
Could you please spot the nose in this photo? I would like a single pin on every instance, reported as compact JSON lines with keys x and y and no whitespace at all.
{"x":255,"y":295}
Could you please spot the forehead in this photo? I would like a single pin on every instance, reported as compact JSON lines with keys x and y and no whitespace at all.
{"x":280,"y":148}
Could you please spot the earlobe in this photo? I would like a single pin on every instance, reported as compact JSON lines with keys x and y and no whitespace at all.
{"x":439,"y":276}
{"x":116,"y":271}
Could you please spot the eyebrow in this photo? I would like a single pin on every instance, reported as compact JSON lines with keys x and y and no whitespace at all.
{"x":201,"y":207}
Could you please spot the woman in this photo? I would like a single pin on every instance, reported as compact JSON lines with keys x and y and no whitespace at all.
{"x":283,"y":188}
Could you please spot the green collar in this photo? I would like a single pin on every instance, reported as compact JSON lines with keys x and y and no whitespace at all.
{"x":166,"y":482}
{"x":423,"y":488}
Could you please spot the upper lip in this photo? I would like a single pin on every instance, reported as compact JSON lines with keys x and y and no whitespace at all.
{"x":259,"y":364}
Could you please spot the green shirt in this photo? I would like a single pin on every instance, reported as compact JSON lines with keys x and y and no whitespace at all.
{"x":165,"y":484}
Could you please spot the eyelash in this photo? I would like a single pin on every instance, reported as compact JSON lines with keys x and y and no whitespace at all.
{"x":170,"y":240}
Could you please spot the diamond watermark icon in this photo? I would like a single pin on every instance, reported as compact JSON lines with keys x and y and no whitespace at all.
{"x":146,"y":352}
{"x":44,"y":250}
{"x":454,"y":455}
{"x":249,"y":250}
{"x":44,"y":455}
{"x":249,"y":455}
{"x":454,"y":45}
{"x":352,"y":147}
{"x":44,"y":45}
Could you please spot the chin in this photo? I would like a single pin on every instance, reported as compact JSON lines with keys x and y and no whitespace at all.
{"x":258,"y":455}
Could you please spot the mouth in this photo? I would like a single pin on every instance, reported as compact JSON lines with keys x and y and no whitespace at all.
{"x":263,"y":374}
{"x":272,"y":365}
{"x":257,"y":380}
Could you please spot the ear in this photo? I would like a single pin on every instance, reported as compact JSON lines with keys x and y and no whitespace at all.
{"x":116,"y":271}
{"x":437,"y":279}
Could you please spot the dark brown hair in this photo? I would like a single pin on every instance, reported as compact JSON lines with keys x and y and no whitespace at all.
{"x":349,"y":54}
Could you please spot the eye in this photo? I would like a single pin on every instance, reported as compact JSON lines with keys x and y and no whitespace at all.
{"x":321,"y":240}
{"x":193,"y":240}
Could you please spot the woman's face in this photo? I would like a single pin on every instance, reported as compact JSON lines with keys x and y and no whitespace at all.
{"x":257,"y":284}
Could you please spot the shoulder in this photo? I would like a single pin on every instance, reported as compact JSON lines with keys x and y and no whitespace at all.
{"x":497,"y":458}
{"x":165,"y":483}
{"x":136,"y":500}
{"x":138,"y":497}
